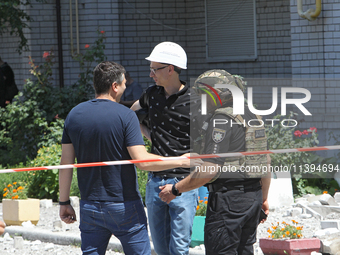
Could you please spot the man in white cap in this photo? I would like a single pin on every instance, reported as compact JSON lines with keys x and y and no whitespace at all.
{"x":168,"y":105}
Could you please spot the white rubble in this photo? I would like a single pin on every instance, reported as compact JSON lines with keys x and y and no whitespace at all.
{"x":46,"y":203}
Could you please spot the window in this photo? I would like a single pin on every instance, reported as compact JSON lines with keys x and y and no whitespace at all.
{"x":230,"y":30}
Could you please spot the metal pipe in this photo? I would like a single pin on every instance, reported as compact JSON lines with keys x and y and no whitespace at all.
{"x":310,"y":14}
{"x":77,"y":26}
{"x":60,"y":46}
{"x":71,"y":27}
{"x":317,"y":10}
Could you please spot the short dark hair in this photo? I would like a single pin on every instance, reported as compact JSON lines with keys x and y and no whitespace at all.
{"x":105,"y":74}
{"x":176,"y":68}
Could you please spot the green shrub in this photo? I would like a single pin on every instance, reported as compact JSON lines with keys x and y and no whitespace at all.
{"x":32,"y":120}
{"x":280,"y":137}
{"x":44,"y":184}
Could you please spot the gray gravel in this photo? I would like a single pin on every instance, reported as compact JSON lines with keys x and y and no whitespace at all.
{"x":49,"y":217}
{"x":35,"y":247}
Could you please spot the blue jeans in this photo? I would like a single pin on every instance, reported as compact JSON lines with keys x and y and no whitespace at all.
{"x":126,"y":221}
{"x":170,"y":224}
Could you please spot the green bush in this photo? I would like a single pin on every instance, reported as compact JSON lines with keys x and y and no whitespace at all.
{"x":280,"y":137}
{"x":33,"y":119}
{"x":45,"y":183}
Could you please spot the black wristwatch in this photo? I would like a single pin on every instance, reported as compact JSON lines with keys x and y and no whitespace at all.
{"x":65,"y":203}
{"x":175,"y":191}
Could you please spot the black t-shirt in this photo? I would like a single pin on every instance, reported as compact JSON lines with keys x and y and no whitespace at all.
{"x":101,"y":130}
{"x":169,"y":123}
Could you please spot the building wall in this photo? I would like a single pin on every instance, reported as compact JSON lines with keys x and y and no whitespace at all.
{"x":289,"y":48}
{"x":134,"y":27}
{"x":146,"y":23}
{"x":101,"y":15}
{"x":315,"y":49}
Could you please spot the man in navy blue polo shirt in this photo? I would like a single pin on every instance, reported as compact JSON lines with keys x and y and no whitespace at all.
{"x":168,"y":104}
{"x":102,"y":130}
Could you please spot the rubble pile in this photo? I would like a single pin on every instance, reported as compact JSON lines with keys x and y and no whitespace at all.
{"x":319,"y":215}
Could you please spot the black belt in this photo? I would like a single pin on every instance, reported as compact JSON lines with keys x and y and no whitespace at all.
{"x":169,"y":175}
{"x":221,"y":187}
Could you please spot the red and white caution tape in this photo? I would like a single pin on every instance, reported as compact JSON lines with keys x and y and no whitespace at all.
{"x":125,"y":162}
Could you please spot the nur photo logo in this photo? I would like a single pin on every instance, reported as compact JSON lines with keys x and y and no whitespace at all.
{"x":238,"y":102}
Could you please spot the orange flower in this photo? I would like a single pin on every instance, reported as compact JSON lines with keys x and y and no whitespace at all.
{"x":325,"y":192}
{"x":206,"y":202}
{"x":198,"y":207}
{"x":205,"y":197}
{"x":282,"y":229}
{"x":201,"y":201}
{"x":14,"y":191}
{"x":299,"y":235}
{"x":16,"y":197}
{"x":298,"y":228}
{"x":14,"y":183}
{"x":287,"y":233}
{"x":283,"y":235}
{"x":5,"y":189}
{"x":9,"y":185}
{"x":87,"y":46}
{"x":294,"y":234}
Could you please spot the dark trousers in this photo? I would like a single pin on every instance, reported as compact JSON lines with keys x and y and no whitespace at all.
{"x":231,"y":222}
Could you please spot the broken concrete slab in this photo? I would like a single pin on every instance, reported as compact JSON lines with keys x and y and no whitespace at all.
{"x":337,"y":197}
{"x":330,"y":224}
{"x":324,"y":199}
{"x":308,"y":210}
{"x":325,"y":210}
{"x":330,"y":244}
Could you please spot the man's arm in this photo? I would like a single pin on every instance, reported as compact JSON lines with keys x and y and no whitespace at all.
{"x":136,"y":106}
{"x":145,"y":131}
{"x":139,"y":152}
{"x":196,"y":179}
{"x":67,"y":213}
{"x":127,"y":103}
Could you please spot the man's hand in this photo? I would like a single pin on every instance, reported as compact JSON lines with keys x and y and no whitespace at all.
{"x":166,"y":193}
{"x":67,"y":214}
{"x":265,"y":207}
